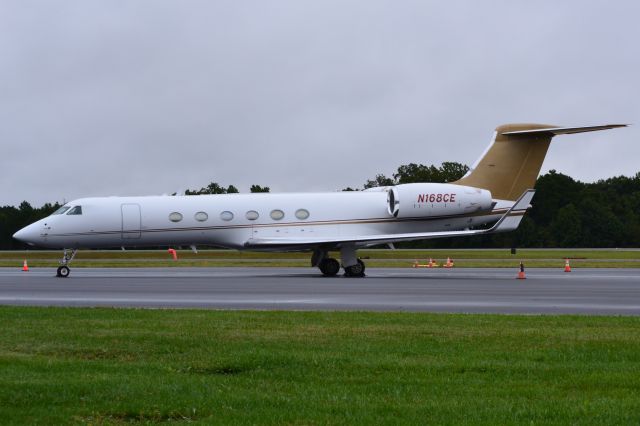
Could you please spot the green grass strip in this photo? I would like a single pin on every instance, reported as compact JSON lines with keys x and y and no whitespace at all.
{"x":542,"y":258}
{"x":113,"y":366}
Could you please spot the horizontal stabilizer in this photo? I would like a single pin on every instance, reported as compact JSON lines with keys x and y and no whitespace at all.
{"x":564,"y":130}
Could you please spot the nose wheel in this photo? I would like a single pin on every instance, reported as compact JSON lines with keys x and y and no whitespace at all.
{"x":63,"y":270}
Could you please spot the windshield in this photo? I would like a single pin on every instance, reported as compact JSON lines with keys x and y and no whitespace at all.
{"x":61,"y":210}
{"x":75,"y":210}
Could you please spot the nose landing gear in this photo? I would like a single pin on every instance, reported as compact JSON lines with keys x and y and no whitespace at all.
{"x":63,"y":270}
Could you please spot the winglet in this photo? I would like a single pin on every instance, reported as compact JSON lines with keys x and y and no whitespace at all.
{"x":512,"y":218}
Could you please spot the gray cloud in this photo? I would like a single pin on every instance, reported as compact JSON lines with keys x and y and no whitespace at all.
{"x":149,"y":97}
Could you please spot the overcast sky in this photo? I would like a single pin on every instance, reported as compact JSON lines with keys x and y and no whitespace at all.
{"x":149,"y":97}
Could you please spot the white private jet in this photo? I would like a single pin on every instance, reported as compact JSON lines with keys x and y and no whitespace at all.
{"x":492,"y":197}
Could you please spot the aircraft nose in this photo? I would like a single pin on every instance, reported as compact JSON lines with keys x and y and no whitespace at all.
{"x":28,"y":234}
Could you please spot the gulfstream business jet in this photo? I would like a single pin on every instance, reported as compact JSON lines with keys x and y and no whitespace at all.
{"x":492,"y":197}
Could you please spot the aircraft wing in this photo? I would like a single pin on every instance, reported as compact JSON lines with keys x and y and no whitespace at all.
{"x":507,"y":222}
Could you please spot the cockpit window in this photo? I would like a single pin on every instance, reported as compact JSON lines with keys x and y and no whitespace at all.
{"x":61,"y":210}
{"x":75,"y":210}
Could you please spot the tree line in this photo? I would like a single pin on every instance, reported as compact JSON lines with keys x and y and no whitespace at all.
{"x":215,"y":188}
{"x":566,"y":212}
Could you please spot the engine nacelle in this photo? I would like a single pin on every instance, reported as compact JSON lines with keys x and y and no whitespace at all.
{"x":436,"y":199}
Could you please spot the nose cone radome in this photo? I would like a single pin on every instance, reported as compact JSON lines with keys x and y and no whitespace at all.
{"x":19,"y":235}
{"x":28,"y":234}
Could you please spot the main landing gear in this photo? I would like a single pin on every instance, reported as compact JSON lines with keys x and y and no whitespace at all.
{"x":356,"y":270}
{"x":353,"y":267}
{"x":329,"y":267}
{"x":63,"y":270}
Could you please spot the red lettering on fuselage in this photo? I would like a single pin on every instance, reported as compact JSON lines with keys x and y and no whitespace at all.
{"x":436,"y":198}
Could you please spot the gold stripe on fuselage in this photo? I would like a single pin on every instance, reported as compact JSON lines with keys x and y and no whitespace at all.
{"x":291,"y":224}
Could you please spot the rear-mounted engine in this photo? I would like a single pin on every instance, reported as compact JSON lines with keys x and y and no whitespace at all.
{"x":436,"y":199}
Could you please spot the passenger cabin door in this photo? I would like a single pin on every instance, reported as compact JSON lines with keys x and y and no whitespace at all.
{"x":131,"y":221}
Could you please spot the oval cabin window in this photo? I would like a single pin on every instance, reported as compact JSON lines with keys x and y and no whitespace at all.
{"x":175,"y":217}
{"x":302,"y":214}
{"x":252,"y":215}
{"x":277,"y":214}
{"x":201,"y":216}
{"x":226,"y":216}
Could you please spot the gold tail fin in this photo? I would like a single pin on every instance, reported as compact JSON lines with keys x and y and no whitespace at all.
{"x":512,"y":162}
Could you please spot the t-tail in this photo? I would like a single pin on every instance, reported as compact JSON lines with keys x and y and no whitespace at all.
{"x":511,"y":164}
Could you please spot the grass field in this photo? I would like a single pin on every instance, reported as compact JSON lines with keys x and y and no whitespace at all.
{"x":111,"y":366}
{"x":546,"y":258}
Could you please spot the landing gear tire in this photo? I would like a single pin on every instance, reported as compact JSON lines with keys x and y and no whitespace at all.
{"x":329,"y":267}
{"x":63,"y":272}
{"x":356,"y":270}
{"x":67,"y":256}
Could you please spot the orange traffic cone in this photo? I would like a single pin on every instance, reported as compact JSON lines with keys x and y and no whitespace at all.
{"x":430,"y":264}
{"x":25,"y":267}
{"x":567,"y":267}
{"x":521,"y":275}
{"x":449,"y":263}
{"x":415,"y":264}
{"x":173,"y":253}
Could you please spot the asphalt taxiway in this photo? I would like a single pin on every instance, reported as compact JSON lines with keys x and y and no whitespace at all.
{"x":545,"y":291}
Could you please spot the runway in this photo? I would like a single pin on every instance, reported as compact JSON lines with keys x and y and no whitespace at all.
{"x":545,"y":291}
